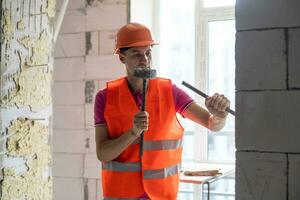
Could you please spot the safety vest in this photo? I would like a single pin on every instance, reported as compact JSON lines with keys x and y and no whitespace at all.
{"x":157,"y":174}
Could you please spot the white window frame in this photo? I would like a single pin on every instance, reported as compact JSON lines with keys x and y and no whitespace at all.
{"x":203,"y":17}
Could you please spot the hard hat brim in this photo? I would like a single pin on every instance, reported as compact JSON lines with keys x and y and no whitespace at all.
{"x":136,"y":44}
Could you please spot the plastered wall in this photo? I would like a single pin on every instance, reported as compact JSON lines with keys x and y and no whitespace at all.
{"x":84,"y":61}
{"x":267,"y":99}
{"x":26,"y":103}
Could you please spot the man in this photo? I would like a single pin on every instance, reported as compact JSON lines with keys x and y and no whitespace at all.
{"x":119,"y":123}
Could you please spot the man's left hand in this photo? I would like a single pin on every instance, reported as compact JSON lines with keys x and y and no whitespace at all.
{"x":217,"y":105}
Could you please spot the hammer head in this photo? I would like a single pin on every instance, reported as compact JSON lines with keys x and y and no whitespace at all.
{"x":145,"y":73}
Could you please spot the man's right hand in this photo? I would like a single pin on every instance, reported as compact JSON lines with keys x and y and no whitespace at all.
{"x":140,"y":123}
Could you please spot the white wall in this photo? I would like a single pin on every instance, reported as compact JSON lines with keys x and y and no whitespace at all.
{"x":84,"y":61}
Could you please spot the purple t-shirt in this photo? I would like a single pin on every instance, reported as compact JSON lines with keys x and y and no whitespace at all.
{"x":181,"y":100}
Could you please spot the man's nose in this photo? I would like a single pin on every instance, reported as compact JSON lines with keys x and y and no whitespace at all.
{"x":144,"y":59}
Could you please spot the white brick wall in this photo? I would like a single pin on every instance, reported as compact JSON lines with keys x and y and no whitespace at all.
{"x":73,"y":22}
{"x":113,"y":1}
{"x":94,"y":42}
{"x":92,"y":167}
{"x":99,"y":190}
{"x":92,"y":189}
{"x":73,"y":4}
{"x":67,"y":165}
{"x":92,"y":143}
{"x":105,"y":66}
{"x":69,"y":69}
{"x":68,"y":117}
{"x":89,"y":116}
{"x":69,"y":141}
{"x":107,"y":42}
{"x":105,"y":17}
{"x":68,"y":188}
{"x":74,"y":90}
{"x":70,"y":45}
{"x":84,"y":57}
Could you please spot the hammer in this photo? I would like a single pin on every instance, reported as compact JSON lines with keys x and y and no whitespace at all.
{"x":144,"y":73}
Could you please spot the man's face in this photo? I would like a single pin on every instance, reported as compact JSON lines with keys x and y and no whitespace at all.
{"x":136,"y":57}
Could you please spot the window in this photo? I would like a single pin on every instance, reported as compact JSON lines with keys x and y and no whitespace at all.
{"x":215,"y":45}
{"x":221,"y":40}
{"x":177,"y":54}
{"x":197,"y":39}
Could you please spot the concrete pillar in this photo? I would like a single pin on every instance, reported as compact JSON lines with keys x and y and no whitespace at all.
{"x":26,"y":103}
{"x":268,"y":94}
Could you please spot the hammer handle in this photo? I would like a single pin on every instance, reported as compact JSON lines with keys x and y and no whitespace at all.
{"x":143,"y":96}
{"x":143,"y":109}
{"x":203,"y":95}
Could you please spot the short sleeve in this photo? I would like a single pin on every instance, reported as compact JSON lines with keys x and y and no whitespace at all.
{"x":99,"y":107}
{"x":181,"y":98}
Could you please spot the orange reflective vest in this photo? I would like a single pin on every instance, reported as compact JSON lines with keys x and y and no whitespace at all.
{"x":157,"y":174}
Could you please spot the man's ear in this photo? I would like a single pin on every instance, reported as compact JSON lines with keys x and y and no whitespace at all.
{"x":122,"y":58}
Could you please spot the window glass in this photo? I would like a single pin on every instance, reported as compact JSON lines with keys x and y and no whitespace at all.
{"x":177,"y":40}
{"x":221,"y":69}
{"x":177,"y":47}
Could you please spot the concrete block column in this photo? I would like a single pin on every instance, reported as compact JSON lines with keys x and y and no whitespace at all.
{"x":261,"y":176}
{"x":267,"y":99}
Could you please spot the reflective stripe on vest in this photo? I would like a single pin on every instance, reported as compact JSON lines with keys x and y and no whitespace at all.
{"x":122,"y":166}
{"x":161,"y":173}
{"x":135,"y":167}
{"x":162,"y":144}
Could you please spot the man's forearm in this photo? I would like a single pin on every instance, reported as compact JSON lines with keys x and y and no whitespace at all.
{"x":216,"y":123}
{"x":111,"y":149}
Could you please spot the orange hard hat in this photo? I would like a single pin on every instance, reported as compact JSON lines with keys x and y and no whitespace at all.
{"x":133,"y":35}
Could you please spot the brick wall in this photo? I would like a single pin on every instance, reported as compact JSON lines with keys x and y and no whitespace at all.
{"x":267,"y":99}
{"x":84,"y":61}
